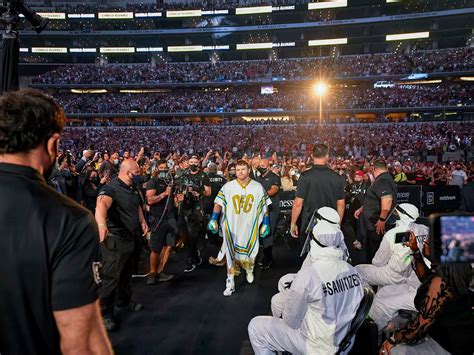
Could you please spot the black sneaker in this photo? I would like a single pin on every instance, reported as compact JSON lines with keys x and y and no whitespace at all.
{"x":110,"y":324}
{"x":189,"y":267}
{"x":151,"y":279}
{"x":131,"y":307}
{"x":165,"y":277}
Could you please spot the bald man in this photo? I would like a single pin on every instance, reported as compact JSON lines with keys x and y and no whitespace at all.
{"x":272,"y":184}
{"x":121,"y":222}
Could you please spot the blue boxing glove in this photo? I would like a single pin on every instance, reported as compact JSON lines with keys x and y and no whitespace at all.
{"x":265,"y":227}
{"x":213,"y":225}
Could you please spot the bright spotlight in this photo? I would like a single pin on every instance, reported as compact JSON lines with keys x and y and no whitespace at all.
{"x":320,"y":88}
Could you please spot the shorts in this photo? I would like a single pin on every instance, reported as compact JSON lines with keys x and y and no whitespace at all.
{"x":164,"y":235}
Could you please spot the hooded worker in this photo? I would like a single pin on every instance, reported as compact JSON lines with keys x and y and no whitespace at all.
{"x":392,"y":262}
{"x":319,"y":306}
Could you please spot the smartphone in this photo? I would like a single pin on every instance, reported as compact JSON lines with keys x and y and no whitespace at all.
{"x":402,"y":237}
{"x":453,"y":237}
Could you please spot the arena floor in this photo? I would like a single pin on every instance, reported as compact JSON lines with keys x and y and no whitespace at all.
{"x":189,"y":315}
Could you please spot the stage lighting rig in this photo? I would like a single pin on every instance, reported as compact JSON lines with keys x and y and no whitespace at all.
{"x":10,"y":11}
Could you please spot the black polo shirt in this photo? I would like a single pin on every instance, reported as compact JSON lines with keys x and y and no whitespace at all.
{"x":158,"y":210}
{"x":122,"y":216}
{"x":382,"y":186}
{"x":319,"y":187}
{"x":48,"y":247}
{"x":267,"y":181}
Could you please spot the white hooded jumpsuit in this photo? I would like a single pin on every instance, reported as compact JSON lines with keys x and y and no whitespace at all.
{"x":319,"y":306}
{"x":392,"y":263}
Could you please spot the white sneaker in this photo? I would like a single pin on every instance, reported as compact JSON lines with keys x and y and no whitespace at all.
{"x":229,"y":288}
{"x":249,"y":276}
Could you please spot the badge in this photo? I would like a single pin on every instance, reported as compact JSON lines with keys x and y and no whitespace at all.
{"x":96,"y":266}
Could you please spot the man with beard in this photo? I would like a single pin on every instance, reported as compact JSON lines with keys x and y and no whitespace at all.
{"x":243,"y":203}
{"x":49,"y":244}
{"x":191,"y":210}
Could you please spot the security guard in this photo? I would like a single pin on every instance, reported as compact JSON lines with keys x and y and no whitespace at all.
{"x":271,"y":183}
{"x":48,"y":243}
{"x":121,"y":221}
{"x":317,"y":187}
{"x":217,"y":181}
{"x":379,"y":200}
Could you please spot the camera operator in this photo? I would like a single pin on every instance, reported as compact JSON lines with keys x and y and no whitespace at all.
{"x":91,"y":187}
{"x":271,"y":183}
{"x":162,"y":222}
{"x":444,"y":324}
{"x":120,"y":218}
{"x":197,"y":186}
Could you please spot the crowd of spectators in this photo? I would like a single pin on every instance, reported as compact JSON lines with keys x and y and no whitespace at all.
{"x":457,"y":59}
{"x":406,"y":143}
{"x":287,"y":99}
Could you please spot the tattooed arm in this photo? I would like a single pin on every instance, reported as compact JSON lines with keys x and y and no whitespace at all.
{"x":432,"y":305}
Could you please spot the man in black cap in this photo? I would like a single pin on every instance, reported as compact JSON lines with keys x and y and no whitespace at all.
{"x":48,"y":243}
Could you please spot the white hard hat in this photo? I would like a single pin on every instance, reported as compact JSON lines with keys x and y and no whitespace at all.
{"x":407,"y":212}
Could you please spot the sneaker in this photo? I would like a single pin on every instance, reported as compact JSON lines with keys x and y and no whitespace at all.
{"x":249,"y":276}
{"x":151,"y":279}
{"x":165,"y":277}
{"x":190,"y":267}
{"x":229,"y":288}
{"x":131,"y":307}
{"x":110,"y":324}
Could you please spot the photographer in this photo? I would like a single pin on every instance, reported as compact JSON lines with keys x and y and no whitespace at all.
{"x":91,"y":187}
{"x":444,"y":323}
{"x":196,"y":185}
{"x":162,"y":221}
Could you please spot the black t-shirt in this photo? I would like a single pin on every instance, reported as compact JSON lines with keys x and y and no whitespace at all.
{"x":197,"y":182}
{"x":48,"y":246}
{"x":158,"y":210}
{"x":382,"y":186}
{"x":122,"y":216}
{"x":216,"y":181}
{"x":267,"y":181}
{"x":319,"y":187}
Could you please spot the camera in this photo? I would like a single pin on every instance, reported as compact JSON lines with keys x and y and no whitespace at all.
{"x":402,"y":237}
{"x":453,"y":237}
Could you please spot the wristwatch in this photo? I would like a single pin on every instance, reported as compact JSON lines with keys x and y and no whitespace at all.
{"x":392,"y":340}
{"x":382,"y":219}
